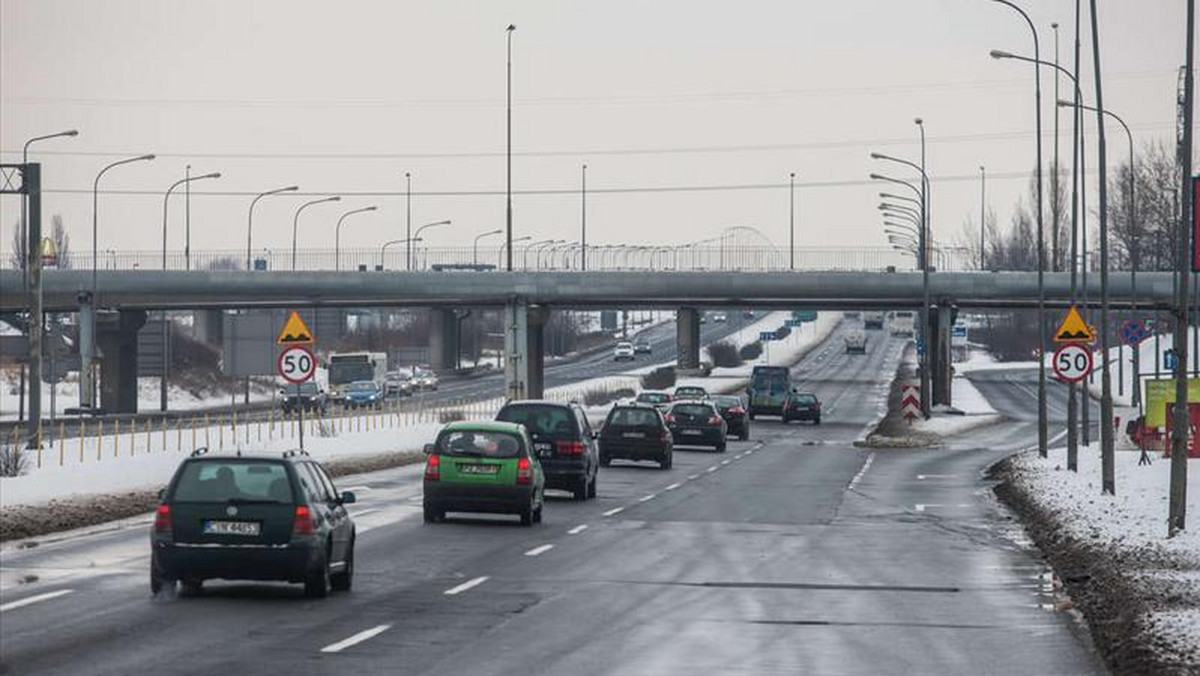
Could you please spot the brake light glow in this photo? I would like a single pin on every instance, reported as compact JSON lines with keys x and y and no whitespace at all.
{"x":524,"y":471}
{"x":162,"y":519}
{"x":302,"y":523}
{"x":570,"y":447}
{"x":433,"y":468}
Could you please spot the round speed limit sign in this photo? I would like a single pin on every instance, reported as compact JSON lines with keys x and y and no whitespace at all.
{"x":296,"y":365}
{"x":1072,"y":362}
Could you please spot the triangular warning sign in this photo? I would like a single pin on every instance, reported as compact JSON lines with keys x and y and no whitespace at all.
{"x":294,"y":332}
{"x":1073,"y":329}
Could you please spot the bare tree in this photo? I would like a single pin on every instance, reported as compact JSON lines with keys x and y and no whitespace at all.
{"x":58,"y":235}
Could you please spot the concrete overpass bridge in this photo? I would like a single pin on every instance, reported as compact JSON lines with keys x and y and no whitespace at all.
{"x":123,"y":298}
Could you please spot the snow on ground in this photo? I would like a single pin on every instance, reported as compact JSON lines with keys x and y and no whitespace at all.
{"x":1131,"y":524}
{"x":1122,"y":378}
{"x":969,"y":409}
{"x":981,"y":360}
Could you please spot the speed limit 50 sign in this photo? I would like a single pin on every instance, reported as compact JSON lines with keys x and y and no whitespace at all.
{"x":1072,"y":362}
{"x":297,"y":364}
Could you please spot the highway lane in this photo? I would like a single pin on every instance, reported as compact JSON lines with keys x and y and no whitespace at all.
{"x":792,"y":553}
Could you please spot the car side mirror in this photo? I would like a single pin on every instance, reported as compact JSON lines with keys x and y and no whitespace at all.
{"x":162,"y":493}
{"x":430,"y":449}
{"x":348,"y":498}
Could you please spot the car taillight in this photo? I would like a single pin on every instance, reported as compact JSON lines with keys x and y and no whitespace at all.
{"x":570,"y":447}
{"x":715,"y":420}
{"x":737,"y":410}
{"x":162,"y":519}
{"x":433,"y":468}
{"x":302,"y":522}
{"x":524,"y":471}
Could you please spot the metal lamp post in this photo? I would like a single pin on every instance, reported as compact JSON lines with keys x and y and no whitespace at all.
{"x":383,"y":248}
{"x":475,"y":246}
{"x":508,"y":214}
{"x":296,"y":221}
{"x":417,"y":236}
{"x":504,"y":245}
{"x":337,"y":234}
{"x":983,"y":218}
{"x":250,"y":216}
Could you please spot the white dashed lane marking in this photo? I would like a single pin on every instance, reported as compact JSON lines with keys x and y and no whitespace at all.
{"x":30,"y":600}
{"x":577,"y":529}
{"x":469,"y":584}
{"x":536,"y":551}
{"x":647,"y":498}
{"x":672,"y":487}
{"x":615,"y":510}
{"x":356,"y":639}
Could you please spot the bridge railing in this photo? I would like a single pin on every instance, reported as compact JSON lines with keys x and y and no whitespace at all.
{"x":599,"y":257}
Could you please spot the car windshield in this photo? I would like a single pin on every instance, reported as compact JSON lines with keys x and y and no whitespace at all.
{"x":362,"y":387}
{"x":632,"y":417}
{"x":479,"y":444}
{"x":806,"y":399}
{"x":727,"y":402}
{"x":692,"y":411}
{"x":542,"y":420}
{"x":653,"y":397}
{"x":624,"y":346}
{"x":233,"y":481}
{"x":306,"y":389}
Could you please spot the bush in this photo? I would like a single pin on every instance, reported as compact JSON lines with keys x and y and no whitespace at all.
{"x":451,"y":415}
{"x":725,"y":354}
{"x":659,"y":379}
{"x":12,"y":460}
{"x":752,"y":351}
{"x":601,"y":397}
{"x":783,"y":332}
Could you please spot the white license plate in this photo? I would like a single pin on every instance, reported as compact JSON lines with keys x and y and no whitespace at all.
{"x":479,"y":469}
{"x":692,"y":433}
{"x":634,"y":435}
{"x":248,"y":528}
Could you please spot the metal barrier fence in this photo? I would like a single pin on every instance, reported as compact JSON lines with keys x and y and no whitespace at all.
{"x":554,"y":257}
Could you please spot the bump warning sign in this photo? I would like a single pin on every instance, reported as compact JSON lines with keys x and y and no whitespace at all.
{"x":1073,"y":329}
{"x":295,"y":332}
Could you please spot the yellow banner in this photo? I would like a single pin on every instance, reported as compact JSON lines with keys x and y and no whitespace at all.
{"x":1159,"y":393}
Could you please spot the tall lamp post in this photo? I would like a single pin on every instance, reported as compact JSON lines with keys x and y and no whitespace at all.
{"x":87,"y":381}
{"x":504,"y":245}
{"x":383,"y":249}
{"x":417,"y":237}
{"x":296,"y":221}
{"x":250,"y":216}
{"x":508,"y":214}
{"x":583,"y":219}
{"x":792,"y":221}
{"x":982,"y":217}
{"x":166,"y":333}
{"x":337,"y":234}
{"x":475,"y":246}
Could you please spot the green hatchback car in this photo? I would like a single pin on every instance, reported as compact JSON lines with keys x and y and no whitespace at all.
{"x":483,"y":467}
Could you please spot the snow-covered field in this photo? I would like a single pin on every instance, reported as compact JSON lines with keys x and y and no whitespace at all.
{"x":1122,"y":378}
{"x":969,"y":409}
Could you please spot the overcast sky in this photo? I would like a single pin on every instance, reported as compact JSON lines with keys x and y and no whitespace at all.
{"x":345,"y":97}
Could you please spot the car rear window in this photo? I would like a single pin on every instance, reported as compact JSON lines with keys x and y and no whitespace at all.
{"x":690,"y":391}
{"x":632,"y":417}
{"x":804,"y":398}
{"x":727,"y":402}
{"x":479,"y":444}
{"x":653,"y":397}
{"x":692,"y":411}
{"x":542,"y":421}
{"x":225,"y":480}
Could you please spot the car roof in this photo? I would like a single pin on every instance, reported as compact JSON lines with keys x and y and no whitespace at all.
{"x":484,"y":426}
{"x":535,"y":402}
{"x":654,"y":392}
{"x":695,"y":388}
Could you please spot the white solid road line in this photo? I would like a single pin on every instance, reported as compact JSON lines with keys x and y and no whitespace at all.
{"x":469,"y":584}
{"x":922,"y":508}
{"x":577,"y":529}
{"x":30,"y":600}
{"x":355,"y":639}
{"x":922,"y":477}
{"x":539,"y":550}
{"x":863,"y":470}
{"x":672,"y":487}
{"x":615,"y":510}
{"x":647,"y":498}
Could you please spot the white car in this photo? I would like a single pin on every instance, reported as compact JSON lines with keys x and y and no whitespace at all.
{"x":623,"y":352}
{"x":720,"y":317}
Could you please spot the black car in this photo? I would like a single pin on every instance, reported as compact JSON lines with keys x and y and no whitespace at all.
{"x":252,"y":518}
{"x":563,"y":440}
{"x":802,"y":406}
{"x":697,"y":423}
{"x":308,"y":396}
{"x":733,"y":410}
{"x":636,"y":433}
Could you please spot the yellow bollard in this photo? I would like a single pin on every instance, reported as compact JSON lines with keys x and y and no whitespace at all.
{"x":116,"y":437}
{"x":207,"y":427}
{"x":99,"y":438}
{"x":62,"y":442}
{"x":82,"y":438}
{"x":163,"y":424}
{"x":147,"y":437}
{"x":220,"y":434}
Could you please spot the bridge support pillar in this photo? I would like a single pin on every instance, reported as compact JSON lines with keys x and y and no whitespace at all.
{"x":208,"y":326}
{"x":87,"y":356}
{"x":687,"y":337}
{"x":941,"y":355}
{"x":443,"y":340}
{"x":524,"y":350}
{"x":117,"y":338}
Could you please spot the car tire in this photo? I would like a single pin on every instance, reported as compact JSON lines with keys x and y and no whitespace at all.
{"x":344,"y":580}
{"x":527,"y":514}
{"x":580,"y":492}
{"x":316,"y":585}
{"x":605,"y":461}
{"x":537,"y":513}
{"x":159,"y":582}
{"x":721,"y":447}
{"x":191,"y":587}
{"x":665,"y":463}
{"x":751,"y":415}
{"x":817,"y":420}
{"x":744,"y":436}
{"x":591,"y":490}
{"x":434,"y":514}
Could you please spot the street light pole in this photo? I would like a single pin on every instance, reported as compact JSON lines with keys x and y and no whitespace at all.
{"x":508,"y":215}
{"x":337,"y":234}
{"x":583,"y":221}
{"x":982,"y":217}
{"x":87,"y":384}
{"x":296,"y":222}
{"x":475,"y":246}
{"x":417,"y":237}
{"x":250,"y":216}
{"x":792,"y":221}
{"x":504,"y":245}
{"x":406,"y":241}
{"x":1043,"y":432}
{"x":167,"y":197}
{"x":408,"y":221}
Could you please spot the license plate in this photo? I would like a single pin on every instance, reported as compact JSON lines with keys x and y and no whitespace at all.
{"x":248,"y":528}
{"x":634,"y":435}
{"x":692,"y":433}
{"x":479,"y":469}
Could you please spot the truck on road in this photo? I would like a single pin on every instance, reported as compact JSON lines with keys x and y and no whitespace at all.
{"x":873,"y":320}
{"x":856,"y":341}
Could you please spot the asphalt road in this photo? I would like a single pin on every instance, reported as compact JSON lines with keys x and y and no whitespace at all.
{"x":793,"y":553}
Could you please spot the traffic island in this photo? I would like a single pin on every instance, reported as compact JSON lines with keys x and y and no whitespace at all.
{"x":1138,"y":591}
